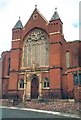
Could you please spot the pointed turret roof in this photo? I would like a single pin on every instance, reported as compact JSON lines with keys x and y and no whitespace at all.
{"x":18,"y":24}
{"x":55,"y":15}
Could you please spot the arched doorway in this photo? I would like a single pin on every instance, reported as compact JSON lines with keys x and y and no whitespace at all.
{"x":34,"y":87}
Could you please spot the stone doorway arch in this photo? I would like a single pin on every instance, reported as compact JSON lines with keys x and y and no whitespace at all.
{"x":34,"y":87}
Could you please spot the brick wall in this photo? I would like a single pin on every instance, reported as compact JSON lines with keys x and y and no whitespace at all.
{"x":60,"y":77}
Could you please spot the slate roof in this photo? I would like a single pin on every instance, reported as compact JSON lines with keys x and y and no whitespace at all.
{"x":18,"y":24}
{"x":55,"y":16}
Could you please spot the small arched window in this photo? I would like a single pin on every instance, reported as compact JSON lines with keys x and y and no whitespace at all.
{"x":67,"y":59}
{"x":21,"y":83}
{"x":46,"y":82}
{"x":76,"y":79}
{"x":8,"y":66}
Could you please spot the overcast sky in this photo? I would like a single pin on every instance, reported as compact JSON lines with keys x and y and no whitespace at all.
{"x":10,"y":10}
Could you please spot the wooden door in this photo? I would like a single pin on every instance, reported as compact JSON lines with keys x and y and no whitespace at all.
{"x":34,"y":88}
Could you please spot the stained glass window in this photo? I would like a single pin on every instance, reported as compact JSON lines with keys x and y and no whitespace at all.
{"x":36,"y":49}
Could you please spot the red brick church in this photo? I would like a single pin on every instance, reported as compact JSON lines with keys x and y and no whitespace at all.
{"x":41,"y":63}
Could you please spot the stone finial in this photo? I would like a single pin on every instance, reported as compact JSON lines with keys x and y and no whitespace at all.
{"x":35,"y":6}
{"x":19,"y":17}
{"x":55,"y":8}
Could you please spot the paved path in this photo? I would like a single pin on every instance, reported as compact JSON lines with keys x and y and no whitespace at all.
{"x":13,"y":112}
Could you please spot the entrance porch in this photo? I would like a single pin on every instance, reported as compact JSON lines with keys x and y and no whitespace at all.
{"x":32,"y":86}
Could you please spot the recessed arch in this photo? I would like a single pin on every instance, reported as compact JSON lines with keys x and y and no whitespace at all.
{"x":34,"y":86}
{"x":36,"y":48}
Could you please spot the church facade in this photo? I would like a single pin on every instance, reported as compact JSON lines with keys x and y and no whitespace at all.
{"x":41,"y":63}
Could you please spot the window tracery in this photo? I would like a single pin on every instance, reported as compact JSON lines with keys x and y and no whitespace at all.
{"x":46,"y":82}
{"x":21,"y":83}
{"x":36,"y":49}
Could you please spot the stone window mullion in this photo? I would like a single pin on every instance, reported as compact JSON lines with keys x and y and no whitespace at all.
{"x":36,"y":49}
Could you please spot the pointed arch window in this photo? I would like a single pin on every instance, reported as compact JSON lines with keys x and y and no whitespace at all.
{"x":77,"y":79}
{"x":8,"y":66}
{"x":67,"y":59}
{"x":21,"y":83}
{"x":36,"y":49}
{"x":46,"y":82}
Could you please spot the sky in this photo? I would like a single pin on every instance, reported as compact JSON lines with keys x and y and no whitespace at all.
{"x":10,"y":10}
